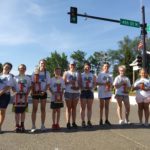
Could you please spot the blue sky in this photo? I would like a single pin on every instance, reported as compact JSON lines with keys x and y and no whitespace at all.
{"x":32,"y":29}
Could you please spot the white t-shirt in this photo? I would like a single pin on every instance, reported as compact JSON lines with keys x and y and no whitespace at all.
{"x":103,"y":78}
{"x":118,"y":80}
{"x":44,"y":79}
{"x":21,"y":84}
{"x":146,"y":85}
{"x":6,"y":80}
{"x":87,"y":80}
{"x":69,"y":77}
{"x":53,"y":86}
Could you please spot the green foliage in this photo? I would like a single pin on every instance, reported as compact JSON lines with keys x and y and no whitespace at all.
{"x":97,"y":60}
{"x":56,"y":60}
{"x":124,"y":55}
{"x":79,"y":57}
{"x":1,"y":67}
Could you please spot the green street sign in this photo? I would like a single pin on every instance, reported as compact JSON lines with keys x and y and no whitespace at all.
{"x":148,"y":28}
{"x":130,"y":23}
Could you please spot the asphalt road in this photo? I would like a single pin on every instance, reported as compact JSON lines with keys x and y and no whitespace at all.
{"x":116,"y":137}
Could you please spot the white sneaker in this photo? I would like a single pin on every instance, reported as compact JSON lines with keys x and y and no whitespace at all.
{"x":121,"y":122}
{"x":146,"y":124}
{"x":33,"y":129}
{"x":43,"y":128}
{"x":127,"y":122}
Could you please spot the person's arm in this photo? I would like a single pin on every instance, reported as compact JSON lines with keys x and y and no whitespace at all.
{"x":4,"y":90}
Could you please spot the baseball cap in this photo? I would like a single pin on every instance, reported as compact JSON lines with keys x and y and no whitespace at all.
{"x":72,"y":62}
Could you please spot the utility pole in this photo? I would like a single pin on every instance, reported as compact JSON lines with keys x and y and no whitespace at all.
{"x":144,"y":33}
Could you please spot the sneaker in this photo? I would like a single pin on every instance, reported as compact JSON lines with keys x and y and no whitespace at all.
{"x":127,"y":122}
{"x":89,"y":124}
{"x":43,"y":128}
{"x":33,"y":129}
{"x":22,"y":129}
{"x":121,"y":122}
{"x":101,"y":122}
{"x":17,"y":129}
{"x":53,"y":126}
{"x":74,"y":125}
{"x":57,"y":126}
{"x":83,"y":124}
{"x":107,"y":123}
{"x":68,"y":125}
{"x":146,"y":124}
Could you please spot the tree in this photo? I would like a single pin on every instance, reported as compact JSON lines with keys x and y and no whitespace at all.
{"x":1,"y":67}
{"x":55,"y":60}
{"x":124,"y":55}
{"x":79,"y":57}
{"x":97,"y":60}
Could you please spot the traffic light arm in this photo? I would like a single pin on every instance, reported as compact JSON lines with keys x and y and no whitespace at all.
{"x":98,"y":18}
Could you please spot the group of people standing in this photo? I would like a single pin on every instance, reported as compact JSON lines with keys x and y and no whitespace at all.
{"x":71,"y":87}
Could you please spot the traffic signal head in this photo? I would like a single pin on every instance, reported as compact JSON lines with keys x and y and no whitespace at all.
{"x":139,"y":60}
{"x":73,"y":14}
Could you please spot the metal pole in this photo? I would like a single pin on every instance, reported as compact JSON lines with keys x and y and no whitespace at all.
{"x":143,"y":38}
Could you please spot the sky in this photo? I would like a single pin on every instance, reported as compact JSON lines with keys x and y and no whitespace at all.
{"x":31,"y":29}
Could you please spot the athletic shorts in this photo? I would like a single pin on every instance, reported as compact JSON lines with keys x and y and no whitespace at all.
{"x":56,"y":105}
{"x":87,"y":94}
{"x":140,"y":99}
{"x":122,"y":97}
{"x":71,"y":96}
{"x":105,"y":99}
{"x":19,"y":109}
{"x":4,"y":100}
{"x":44,"y":96}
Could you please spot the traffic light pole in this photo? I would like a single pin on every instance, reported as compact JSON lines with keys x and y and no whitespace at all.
{"x":144,"y":33}
{"x":99,"y":18}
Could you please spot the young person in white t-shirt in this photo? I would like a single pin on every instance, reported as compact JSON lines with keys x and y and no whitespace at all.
{"x":122,"y":86}
{"x":57,"y":86}
{"x":40,"y":84}
{"x":142,"y":87}
{"x":88,"y":83}
{"x":72,"y":93}
{"x":104,"y":81}
{"x":22,"y":87}
{"x":6,"y":82}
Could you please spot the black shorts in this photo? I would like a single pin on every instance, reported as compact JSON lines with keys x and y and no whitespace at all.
{"x":44,"y":96}
{"x":18,"y":109}
{"x":4,"y":100}
{"x":56,"y":105}
{"x":87,"y":94}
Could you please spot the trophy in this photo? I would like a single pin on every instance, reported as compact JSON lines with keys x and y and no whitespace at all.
{"x":74,"y":83}
{"x":142,"y":86}
{"x":21,"y":92}
{"x":36,"y":83}
{"x":125,"y":90}
{"x":87,"y":83}
{"x":107,"y":84}
{"x":58,"y":93}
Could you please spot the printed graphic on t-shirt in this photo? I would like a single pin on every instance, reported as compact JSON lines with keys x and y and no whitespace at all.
{"x":42,"y":78}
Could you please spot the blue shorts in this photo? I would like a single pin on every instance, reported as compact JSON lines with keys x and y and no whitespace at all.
{"x":71,"y":96}
{"x":4,"y":100}
{"x":106,"y":98}
{"x":87,"y":94}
